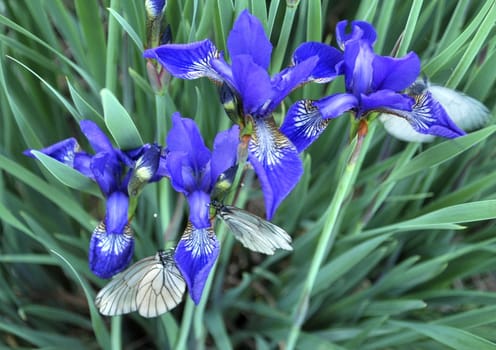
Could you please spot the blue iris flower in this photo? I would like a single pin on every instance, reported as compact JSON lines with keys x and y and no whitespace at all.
{"x":273,"y":156}
{"x":112,"y":243}
{"x":193,"y":170}
{"x":373,"y":83}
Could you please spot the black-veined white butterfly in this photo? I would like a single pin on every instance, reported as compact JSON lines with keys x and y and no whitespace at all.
{"x":151,"y":286}
{"x":252,"y":231}
{"x":467,"y":112}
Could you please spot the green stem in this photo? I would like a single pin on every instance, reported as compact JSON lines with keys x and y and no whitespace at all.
{"x":328,"y":234}
{"x":116,"y":333}
{"x":282,"y":44}
{"x":112,"y":49}
{"x":185,"y":325}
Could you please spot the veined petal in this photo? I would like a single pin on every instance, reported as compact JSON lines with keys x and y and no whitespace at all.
{"x":96,"y":137}
{"x":64,"y":151}
{"x":155,"y":8}
{"x":276,"y":162}
{"x":395,"y":73}
{"x":330,"y":61}
{"x":225,"y":152}
{"x":144,"y":170}
{"x":187,"y":61}
{"x":360,"y":30}
{"x":199,"y":207}
{"x":427,"y":116}
{"x":252,"y":83}
{"x":307,"y":119}
{"x":110,"y":253}
{"x":247,"y":37}
{"x":195,"y":255}
{"x":116,"y":214}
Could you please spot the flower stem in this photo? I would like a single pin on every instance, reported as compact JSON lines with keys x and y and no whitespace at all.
{"x":329,"y":231}
{"x":185,"y":325}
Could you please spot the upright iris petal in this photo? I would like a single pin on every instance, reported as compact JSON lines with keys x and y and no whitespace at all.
{"x":64,"y":151}
{"x":195,"y":256}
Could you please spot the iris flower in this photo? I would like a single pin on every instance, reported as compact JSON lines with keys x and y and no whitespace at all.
{"x":193,"y":170}
{"x":273,"y":156}
{"x":112,"y":242}
{"x":374,"y":83}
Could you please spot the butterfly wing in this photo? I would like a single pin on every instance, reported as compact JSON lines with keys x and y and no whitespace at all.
{"x":119,"y":295}
{"x":467,"y":112}
{"x":254,"y":232}
{"x":161,"y":288}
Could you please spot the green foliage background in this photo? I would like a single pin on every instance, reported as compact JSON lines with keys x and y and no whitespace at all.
{"x":408,"y":258}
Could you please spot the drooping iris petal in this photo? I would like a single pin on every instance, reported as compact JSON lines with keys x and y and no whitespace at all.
{"x":64,"y":151}
{"x":224,"y":154}
{"x":307,"y":119}
{"x":359,"y":30}
{"x":276,"y":162}
{"x":427,"y":116}
{"x":116,"y":213}
{"x":252,"y":83}
{"x":247,"y":37}
{"x":395,"y":73}
{"x":110,"y":253}
{"x":187,"y":61}
{"x":330,"y":61}
{"x":195,"y":256}
{"x":96,"y":137}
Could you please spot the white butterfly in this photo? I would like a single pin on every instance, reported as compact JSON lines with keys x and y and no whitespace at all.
{"x":467,"y":112}
{"x":151,"y":286}
{"x":252,"y":231}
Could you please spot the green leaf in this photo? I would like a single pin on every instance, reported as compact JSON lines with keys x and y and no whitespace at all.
{"x":453,"y":337}
{"x":119,"y":122}
{"x":129,"y":30}
{"x":67,"y":175}
{"x":441,"y":153}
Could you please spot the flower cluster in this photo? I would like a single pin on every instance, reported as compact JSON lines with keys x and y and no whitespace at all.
{"x":374,"y":84}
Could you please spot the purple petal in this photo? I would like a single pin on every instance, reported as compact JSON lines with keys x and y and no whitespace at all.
{"x":284,"y":82}
{"x":195,"y":256}
{"x":252,"y":83}
{"x":106,"y":170}
{"x":358,"y":58}
{"x":144,"y":170}
{"x":110,"y":253}
{"x":248,"y":37}
{"x":276,"y":162}
{"x":64,"y":151}
{"x":395,"y":73}
{"x":116,"y":214}
{"x":225,"y":151}
{"x":155,"y":8}
{"x":330,"y":61}
{"x":335,"y":105}
{"x":360,"y":30}
{"x":96,"y":137}
{"x":188,"y":160}
{"x":199,"y":209}
{"x":427,"y":116}
{"x":386,"y":100}
{"x":187,"y":61}
{"x":82,"y":163}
